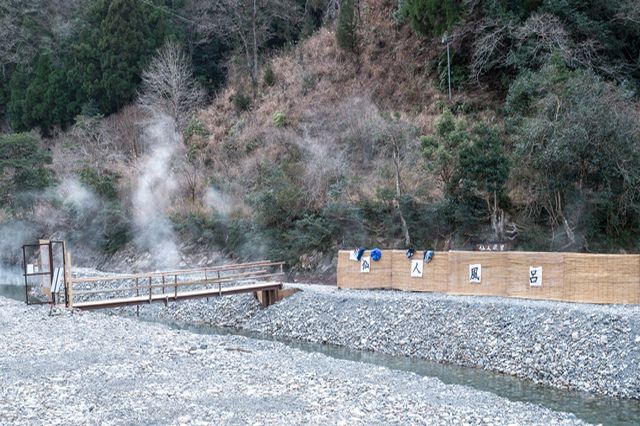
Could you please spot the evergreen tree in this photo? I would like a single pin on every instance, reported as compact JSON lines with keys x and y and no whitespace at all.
{"x":432,"y":17}
{"x":116,"y":43}
{"x":42,"y":97}
{"x":23,"y":166}
{"x":346,"y":34}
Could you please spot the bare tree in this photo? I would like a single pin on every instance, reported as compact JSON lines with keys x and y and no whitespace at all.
{"x":530,"y":44}
{"x":27,"y":26}
{"x":16,"y":46}
{"x":396,"y":139}
{"x":630,"y":11}
{"x":126,"y":128}
{"x":168,"y":85}
{"x":245,"y":23}
{"x":331,"y":10}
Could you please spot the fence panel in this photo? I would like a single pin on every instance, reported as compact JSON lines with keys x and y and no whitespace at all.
{"x":435,"y":274}
{"x":349,"y":275}
{"x":602,"y":278}
{"x":548,"y":286}
{"x":573,"y":277}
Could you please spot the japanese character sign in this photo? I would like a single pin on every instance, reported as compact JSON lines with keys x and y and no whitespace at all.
{"x":417,"y":267}
{"x":475,"y":273}
{"x":535,"y":276}
{"x":365,"y":264}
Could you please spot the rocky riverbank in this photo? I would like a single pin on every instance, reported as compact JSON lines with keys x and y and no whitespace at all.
{"x":591,"y":348}
{"x":91,"y":368}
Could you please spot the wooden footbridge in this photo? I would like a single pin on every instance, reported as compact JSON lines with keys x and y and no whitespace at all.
{"x":98,"y":292}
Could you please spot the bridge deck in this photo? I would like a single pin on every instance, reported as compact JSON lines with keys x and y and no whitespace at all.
{"x":175,"y":296}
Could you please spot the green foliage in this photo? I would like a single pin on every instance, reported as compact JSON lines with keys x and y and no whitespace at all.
{"x":604,"y":22}
{"x":577,"y":148}
{"x":478,"y":185}
{"x":241,"y":101}
{"x":41,"y":96}
{"x":208,"y":230}
{"x":482,"y":167}
{"x":194,"y":128}
{"x":279,"y":119}
{"x":459,"y":72}
{"x":116,"y":42}
{"x":269,"y":76}
{"x":347,"y":26}
{"x":207,"y":58}
{"x":23,"y":166}
{"x":114,"y":227}
{"x":103,"y":182}
{"x":441,"y":149}
{"x":432,"y":17}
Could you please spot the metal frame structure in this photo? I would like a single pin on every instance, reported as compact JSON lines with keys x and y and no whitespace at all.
{"x":51,"y":245}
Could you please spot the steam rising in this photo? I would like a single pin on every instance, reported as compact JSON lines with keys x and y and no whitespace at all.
{"x":13,"y":236}
{"x":223,"y":203}
{"x":155,"y":189}
{"x":75,"y":194}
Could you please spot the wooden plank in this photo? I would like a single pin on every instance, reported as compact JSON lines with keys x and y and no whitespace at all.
{"x":162,"y":297}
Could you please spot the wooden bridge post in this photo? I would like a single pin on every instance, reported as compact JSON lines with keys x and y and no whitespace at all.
{"x":68,"y":284}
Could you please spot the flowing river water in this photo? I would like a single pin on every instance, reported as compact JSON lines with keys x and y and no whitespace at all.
{"x":594,"y":409}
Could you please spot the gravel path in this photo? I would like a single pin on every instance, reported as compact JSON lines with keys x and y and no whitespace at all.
{"x":593,"y":348}
{"x":91,"y":368}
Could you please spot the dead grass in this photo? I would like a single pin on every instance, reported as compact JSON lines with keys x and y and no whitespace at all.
{"x":333,"y":102}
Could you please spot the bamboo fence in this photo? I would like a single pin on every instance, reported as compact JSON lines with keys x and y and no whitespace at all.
{"x":571,"y":277}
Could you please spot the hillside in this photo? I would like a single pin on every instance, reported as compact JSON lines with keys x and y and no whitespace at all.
{"x":313,"y":146}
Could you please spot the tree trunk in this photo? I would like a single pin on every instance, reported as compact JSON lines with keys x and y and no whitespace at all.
{"x":497,"y":218}
{"x":254,"y":68}
{"x":405,"y":228}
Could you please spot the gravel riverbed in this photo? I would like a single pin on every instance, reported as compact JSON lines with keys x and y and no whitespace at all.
{"x":593,"y":348}
{"x":92,"y":368}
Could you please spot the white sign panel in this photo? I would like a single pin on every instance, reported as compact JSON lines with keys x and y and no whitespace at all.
{"x":417,"y":267}
{"x":475,"y":273}
{"x":365,"y":264}
{"x":30,"y":269}
{"x":535,"y":276}
{"x":58,"y":278}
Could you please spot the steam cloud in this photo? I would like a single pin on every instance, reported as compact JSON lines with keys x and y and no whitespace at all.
{"x":74,"y":193}
{"x":155,"y":187}
{"x":13,"y":236}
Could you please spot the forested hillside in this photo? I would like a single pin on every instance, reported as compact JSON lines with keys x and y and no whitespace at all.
{"x":288,"y":129}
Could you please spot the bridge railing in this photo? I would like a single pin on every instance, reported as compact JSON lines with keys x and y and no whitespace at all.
{"x":154,"y":285}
